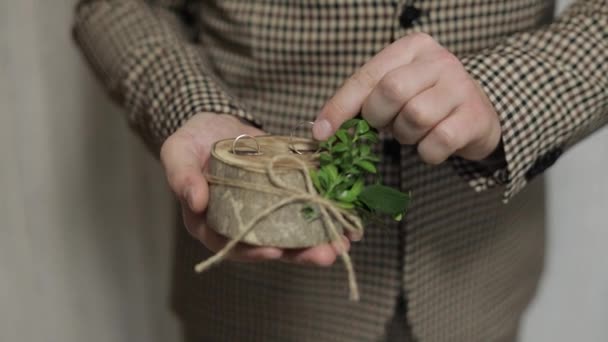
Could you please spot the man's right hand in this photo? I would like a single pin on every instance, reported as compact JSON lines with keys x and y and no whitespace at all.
{"x":184,"y":156}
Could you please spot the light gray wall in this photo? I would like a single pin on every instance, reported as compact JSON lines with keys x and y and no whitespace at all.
{"x":572,"y":304}
{"x":85,"y":220}
{"x":85,"y":217}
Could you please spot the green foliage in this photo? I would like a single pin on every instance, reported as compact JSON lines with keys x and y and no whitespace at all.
{"x":385,"y":200}
{"x":345,"y":160}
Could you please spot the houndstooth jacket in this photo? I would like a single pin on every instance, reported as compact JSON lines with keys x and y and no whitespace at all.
{"x":465,"y":262}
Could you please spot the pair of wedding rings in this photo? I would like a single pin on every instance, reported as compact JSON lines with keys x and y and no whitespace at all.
{"x":256,"y":151}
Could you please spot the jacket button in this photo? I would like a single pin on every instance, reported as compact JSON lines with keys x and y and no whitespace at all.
{"x":409,"y":16}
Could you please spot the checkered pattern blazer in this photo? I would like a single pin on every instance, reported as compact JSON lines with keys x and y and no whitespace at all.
{"x":466,"y":263}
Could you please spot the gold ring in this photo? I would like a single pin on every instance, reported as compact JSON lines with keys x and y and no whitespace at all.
{"x":240,"y":137}
{"x":292,"y":146}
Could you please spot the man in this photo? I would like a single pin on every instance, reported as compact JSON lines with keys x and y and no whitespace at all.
{"x":474,"y":108}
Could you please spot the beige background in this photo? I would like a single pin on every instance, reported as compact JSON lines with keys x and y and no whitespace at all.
{"x":85,"y":218}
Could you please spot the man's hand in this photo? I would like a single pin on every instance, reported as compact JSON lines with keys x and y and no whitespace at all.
{"x":421,"y":93}
{"x":185,"y":155}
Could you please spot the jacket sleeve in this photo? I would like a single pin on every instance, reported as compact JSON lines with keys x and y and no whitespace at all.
{"x":146,"y":57}
{"x":550,"y":90}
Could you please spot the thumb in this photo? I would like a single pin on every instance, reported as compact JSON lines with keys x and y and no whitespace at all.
{"x":183,"y":163}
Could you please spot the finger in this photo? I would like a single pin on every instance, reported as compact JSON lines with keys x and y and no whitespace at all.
{"x":244,"y":252}
{"x":484,"y":137}
{"x":240,"y":252}
{"x":395,"y":89}
{"x":182,"y":164}
{"x":354,"y":236}
{"x":347,"y":101}
{"x":192,"y":221}
{"x":425,"y":111}
{"x":196,"y":226}
{"x":450,"y":135}
{"x":322,"y":255}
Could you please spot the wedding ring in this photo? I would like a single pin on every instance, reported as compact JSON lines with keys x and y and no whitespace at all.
{"x":293,"y":147}
{"x":246,"y":152}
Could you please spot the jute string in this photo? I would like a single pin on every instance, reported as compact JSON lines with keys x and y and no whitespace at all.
{"x":328,"y":211}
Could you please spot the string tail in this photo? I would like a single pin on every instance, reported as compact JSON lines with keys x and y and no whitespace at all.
{"x":206,"y":264}
{"x":352,"y":278}
{"x":215,"y":259}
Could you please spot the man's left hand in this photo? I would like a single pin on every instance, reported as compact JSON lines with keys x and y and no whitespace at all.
{"x":421,"y":92}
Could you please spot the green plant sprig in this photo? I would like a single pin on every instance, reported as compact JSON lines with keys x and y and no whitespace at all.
{"x":345,"y":160}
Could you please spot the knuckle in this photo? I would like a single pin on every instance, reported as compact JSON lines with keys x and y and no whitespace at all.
{"x":422,"y":38}
{"x":416,"y":114}
{"x":447,"y":59}
{"x":449,"y":63}
{"x":445,"y":137}
{"x":369,"y":113}
{"x":392,"y":87}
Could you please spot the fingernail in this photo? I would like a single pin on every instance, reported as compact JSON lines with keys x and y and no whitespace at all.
{"x":273,"y":254}
{"x":356,"y":237}
{"x":341,"y":246}
{"x":321,"y":129}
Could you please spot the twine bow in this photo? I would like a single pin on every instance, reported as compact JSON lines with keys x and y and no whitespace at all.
{"x":328,"y":210}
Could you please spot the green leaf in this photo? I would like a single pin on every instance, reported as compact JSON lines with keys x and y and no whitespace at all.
{"x":365,"y":150}
{"x":325,"y":158}
{"x":366,"y":165}
{"x":323,"y":180}
{"x":350,"y":123}
{"x":384,"y":199}
{"x":343,"y":136}
{"x":358,"y":187}
{"x":362,"y":127}
{"x":315,"y":179}
{"x":340,"y":147}
{"x":371,"y":136}
{"x":352,"y":194}
{"x":373,"y":159}
{"x":347,"y":162}
{"x":354,"y":172}
{"x":345,"y":205}
{"x":332,"y":172}
{"x":331,"y":140}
